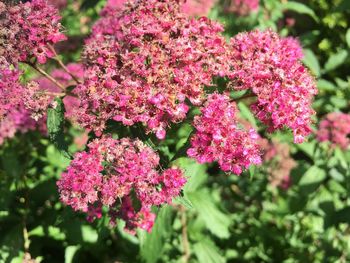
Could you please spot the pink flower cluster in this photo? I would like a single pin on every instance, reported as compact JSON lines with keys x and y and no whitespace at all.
{"x":11,"y":91}
{"x":270,"y":66}
{"x":219,"y":137}
{"x":243,"y":7}
{"x":121,"y":175}
{"x":27,"y":30}
{"x":144,"y":62}
{"x":14,"y":117}
{"x":197,"y":7}
{"x":335,"y":128}
{"x":280,"y":163}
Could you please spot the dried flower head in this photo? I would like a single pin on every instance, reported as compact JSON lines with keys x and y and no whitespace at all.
{"x":335,"y":128}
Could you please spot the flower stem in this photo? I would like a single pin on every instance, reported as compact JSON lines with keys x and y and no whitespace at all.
{"x":45,"y":74}
{"x":59,"y":61}
{"x":185,"y":242}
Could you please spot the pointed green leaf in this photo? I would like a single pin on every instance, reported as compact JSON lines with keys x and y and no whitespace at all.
{"x":311,"y":62}
{"x":335,"y":60}
{"x":299,"y":8}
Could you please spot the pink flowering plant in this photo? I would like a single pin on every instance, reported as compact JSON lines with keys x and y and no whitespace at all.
{"x":146,"y":66}
{"x":143,"y":115}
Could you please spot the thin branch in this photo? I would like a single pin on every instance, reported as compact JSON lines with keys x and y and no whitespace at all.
{"x":185,"y":242}
{"x":45,"y":74}
{"x":59,"y":61}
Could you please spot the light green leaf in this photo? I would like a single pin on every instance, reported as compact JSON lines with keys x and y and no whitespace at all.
{"x":69,"y":253}
{"x":313,"y":176}
{"x":195,"y":173}
{"x":89,"y":234}
{"x":299,"y":8}
{"x":335,"y":60}
{"x":326,"y":85}
{"x":347,"y":37}
{"x":206,"y":251}
{"x":153,"y":243}
{"x":311,"y":62}
{"x":216,"y":221}
{"x":183,"y":201}
{"x":247,"y":114}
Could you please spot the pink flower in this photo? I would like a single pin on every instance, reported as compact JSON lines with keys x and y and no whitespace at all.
{"x":279,"y":163}
{"x":11,"y":91}
{"x":335,"y":128}
{"x":118,"y":174}
{"x":243,"y":7}
{"x":220,"y":138}
{"x":36,"y":100}
{"x":145,"y":62}
{"x":197,"y":7}
{"x":27,"y":30}
{"x":270,"y":67}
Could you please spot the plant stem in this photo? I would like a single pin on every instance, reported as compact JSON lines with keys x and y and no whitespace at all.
{"x":185,"y":242}
{"x":47,"y":75}
{"x":59,"y":61}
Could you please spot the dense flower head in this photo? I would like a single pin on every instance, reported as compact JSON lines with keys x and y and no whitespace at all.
{"x":243,"y":7}
{"x":335,"y":128}
{"x":219,"y":137}
{"x":270,"y":67}
{"x":121,"y":175}
{"x":27,"y":29}
{"x":71,"y":103}
{"x":279,"y":163}
{"x":197,"y":7}
{"x":11,"y":91}
{"x":36,"y":100}
{"x":144,"y":62}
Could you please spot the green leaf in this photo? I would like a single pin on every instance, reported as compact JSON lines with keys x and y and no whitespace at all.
{"x":247,"y":114}
{"x":195,"y":173}
{"x":326,"y":85}
{"x":183,"y":201}
{"x":343,"y":6}
{"x":335,"y":60}
{"x":153,"y":243}
{"x":89,"y":234}
{"x":182,"y":152}
{"x":206,"y":251}
{"x":55,"y":126}
{"x":216,"y":221}
{"x":314,"y":175}
{"x":69,"y":253}
{"x":311,"y":62}
{"x":347,"y":37}
{"x":299,"y":8}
